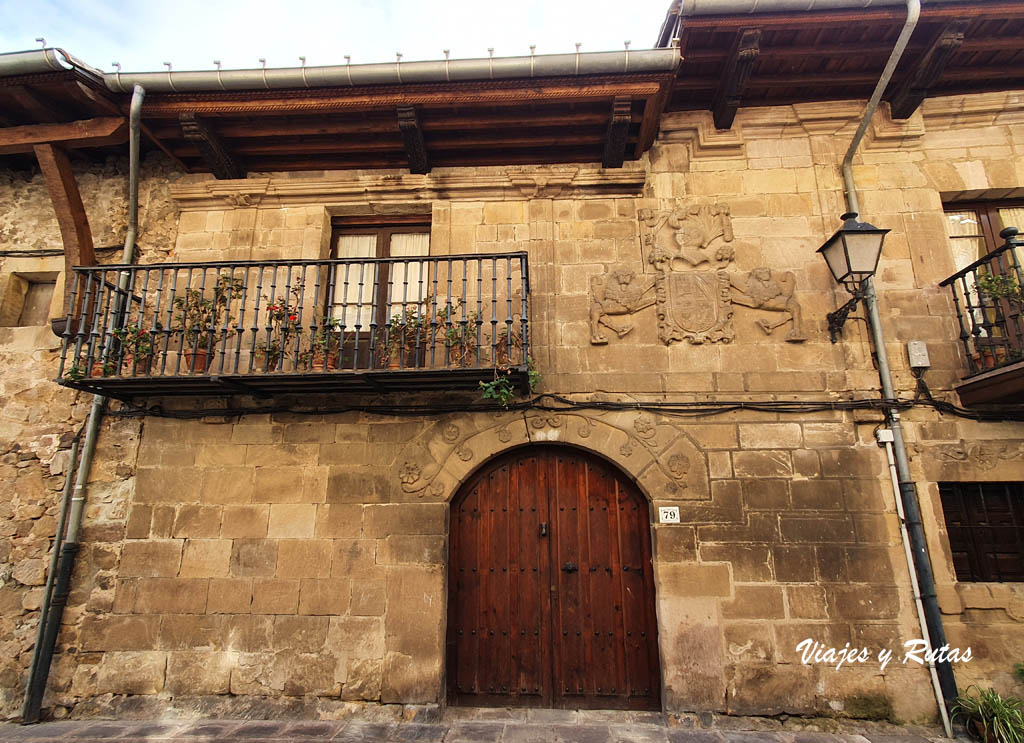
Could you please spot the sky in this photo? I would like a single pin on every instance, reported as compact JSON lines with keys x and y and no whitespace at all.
{"x":191,"y":34}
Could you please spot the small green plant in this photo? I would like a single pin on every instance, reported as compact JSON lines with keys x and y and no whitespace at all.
{"x":197,"y":316}
{"x":533,"y":375}
{"x":74,"y":373}
{"x":1018,"y":671}
{"x":405,"y":333}
{"x":992,"y":717}
{"x":284,"y":328}
{"x":998,"y":286}
{"x":324,"y":345}
{"x":502,"y":390}
{"x":459,"y":338}
{"x":135,"y":340}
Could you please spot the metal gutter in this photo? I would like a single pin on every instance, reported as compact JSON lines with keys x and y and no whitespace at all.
{"x":348,"y":75}
{"x":32,"y":62}
{"x":398,"y":72}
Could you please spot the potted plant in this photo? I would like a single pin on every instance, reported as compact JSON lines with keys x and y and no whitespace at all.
{"x":198,"y":318}
{"x":283,"y":331}
{"x":508,"y":349}
{"x":459,"y":338}
{"x":403,"y":338}
{"x":137,"y":347}
{"x":325,"y":346}
{"x":989,"y":716}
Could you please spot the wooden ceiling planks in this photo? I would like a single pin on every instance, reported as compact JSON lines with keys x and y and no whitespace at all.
{"x":800,"y":57}
{"x":839,"y":55}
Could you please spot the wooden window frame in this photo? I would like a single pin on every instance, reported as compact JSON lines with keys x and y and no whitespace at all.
{"x":384,"y":228}
{"x":970,"y":539}
{"x":988,"y":214}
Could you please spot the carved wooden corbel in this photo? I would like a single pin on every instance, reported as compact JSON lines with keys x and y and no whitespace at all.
{"x":617,"y":136}
{"x":929,"y":68}
{"x":412,"y":136}
{"x":733,"y":85}
{"x":220,"y":161}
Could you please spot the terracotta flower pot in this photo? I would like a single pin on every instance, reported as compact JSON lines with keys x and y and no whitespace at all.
{"x":140,"y":365}
{"x":197,"y":361}
{"x":319,"y":363}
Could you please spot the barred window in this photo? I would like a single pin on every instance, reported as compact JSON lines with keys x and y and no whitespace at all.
{"x":985,"y":523}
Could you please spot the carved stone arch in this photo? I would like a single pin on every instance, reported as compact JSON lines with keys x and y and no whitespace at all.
{"x":665,"y":463}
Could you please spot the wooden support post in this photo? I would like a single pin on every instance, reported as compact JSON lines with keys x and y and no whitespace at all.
{"x":412,"y":136}
{"x":617,"y":135}
{"x":929,"y":68}
{"x":71,"y":218}
{"x":211,"y":147}
{"x":733,"y":84}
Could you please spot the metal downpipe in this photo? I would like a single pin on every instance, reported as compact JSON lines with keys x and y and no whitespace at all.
{"x":29,"y":709}
{"x":50,"y":624}
{"x":935,"y":635}
{"x":913,"y":13}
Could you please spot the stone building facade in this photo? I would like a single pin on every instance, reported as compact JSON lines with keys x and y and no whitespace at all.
{"x":300,"y":560}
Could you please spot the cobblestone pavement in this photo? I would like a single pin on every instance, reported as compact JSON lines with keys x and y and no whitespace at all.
{"x":470,"y":726}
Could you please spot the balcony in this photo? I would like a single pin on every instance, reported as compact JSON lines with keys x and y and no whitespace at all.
{"x":989,"y":304}
{"x":278,"y":327}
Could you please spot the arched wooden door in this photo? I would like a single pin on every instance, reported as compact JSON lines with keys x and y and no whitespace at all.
{"x":551,"y":590}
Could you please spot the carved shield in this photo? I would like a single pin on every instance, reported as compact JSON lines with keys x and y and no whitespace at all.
{"x":694,"y":306}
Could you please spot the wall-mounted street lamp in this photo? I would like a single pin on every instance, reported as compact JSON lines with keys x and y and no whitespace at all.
{"x":852,"y":255}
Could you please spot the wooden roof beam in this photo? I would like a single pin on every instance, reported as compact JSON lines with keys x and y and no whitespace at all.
{"x":33,"y":104}
{"x":412,"y":136}
{"x":217,"y":157}
{"x":928,"y":70}
{"x":85,"y":133}
{"x":617,"y":136}
{"x":495,"y":94}
{"x":745,"y":50}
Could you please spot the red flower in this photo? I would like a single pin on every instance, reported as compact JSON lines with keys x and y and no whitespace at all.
{"x":293,"y":318}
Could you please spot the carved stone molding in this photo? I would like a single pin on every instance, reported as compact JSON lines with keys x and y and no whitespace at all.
{"x":890,"y":134}
{"x":664,"y":461}
{"x":498,"y":183}
{"x":982,"y":456}
{"x":698,"y":129}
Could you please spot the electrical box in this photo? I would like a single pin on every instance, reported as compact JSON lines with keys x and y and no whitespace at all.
{"x":918,"y":353}
{"x":668,"y":515}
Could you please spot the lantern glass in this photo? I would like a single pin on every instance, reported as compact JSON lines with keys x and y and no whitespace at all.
{"x":852,"y":253}
{"x":834,"y":252}
{"x":864,"y":249}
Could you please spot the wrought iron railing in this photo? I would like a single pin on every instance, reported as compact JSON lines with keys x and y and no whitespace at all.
{"x":989,"y":305}
{"x":241,"y":322}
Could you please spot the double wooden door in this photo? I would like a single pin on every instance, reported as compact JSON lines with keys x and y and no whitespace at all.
{"x":551,"y":591}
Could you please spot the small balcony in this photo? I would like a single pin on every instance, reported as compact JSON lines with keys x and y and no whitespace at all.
{"x":279,"y":327}
{"x":989,"y":305}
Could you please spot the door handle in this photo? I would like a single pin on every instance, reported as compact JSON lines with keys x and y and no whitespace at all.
{"x":544,"y":528}
{"x":570,"y":567}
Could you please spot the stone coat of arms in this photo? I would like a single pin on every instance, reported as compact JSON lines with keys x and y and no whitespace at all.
{"x":689,"y":249}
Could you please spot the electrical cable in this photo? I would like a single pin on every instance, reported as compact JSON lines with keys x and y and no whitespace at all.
{"x":556,"y":403}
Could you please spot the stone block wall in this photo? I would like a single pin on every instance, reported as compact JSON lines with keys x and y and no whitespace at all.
{"x":295,"y":557}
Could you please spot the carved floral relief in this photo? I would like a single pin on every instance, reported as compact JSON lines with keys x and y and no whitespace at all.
{"x":666,"y":460}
